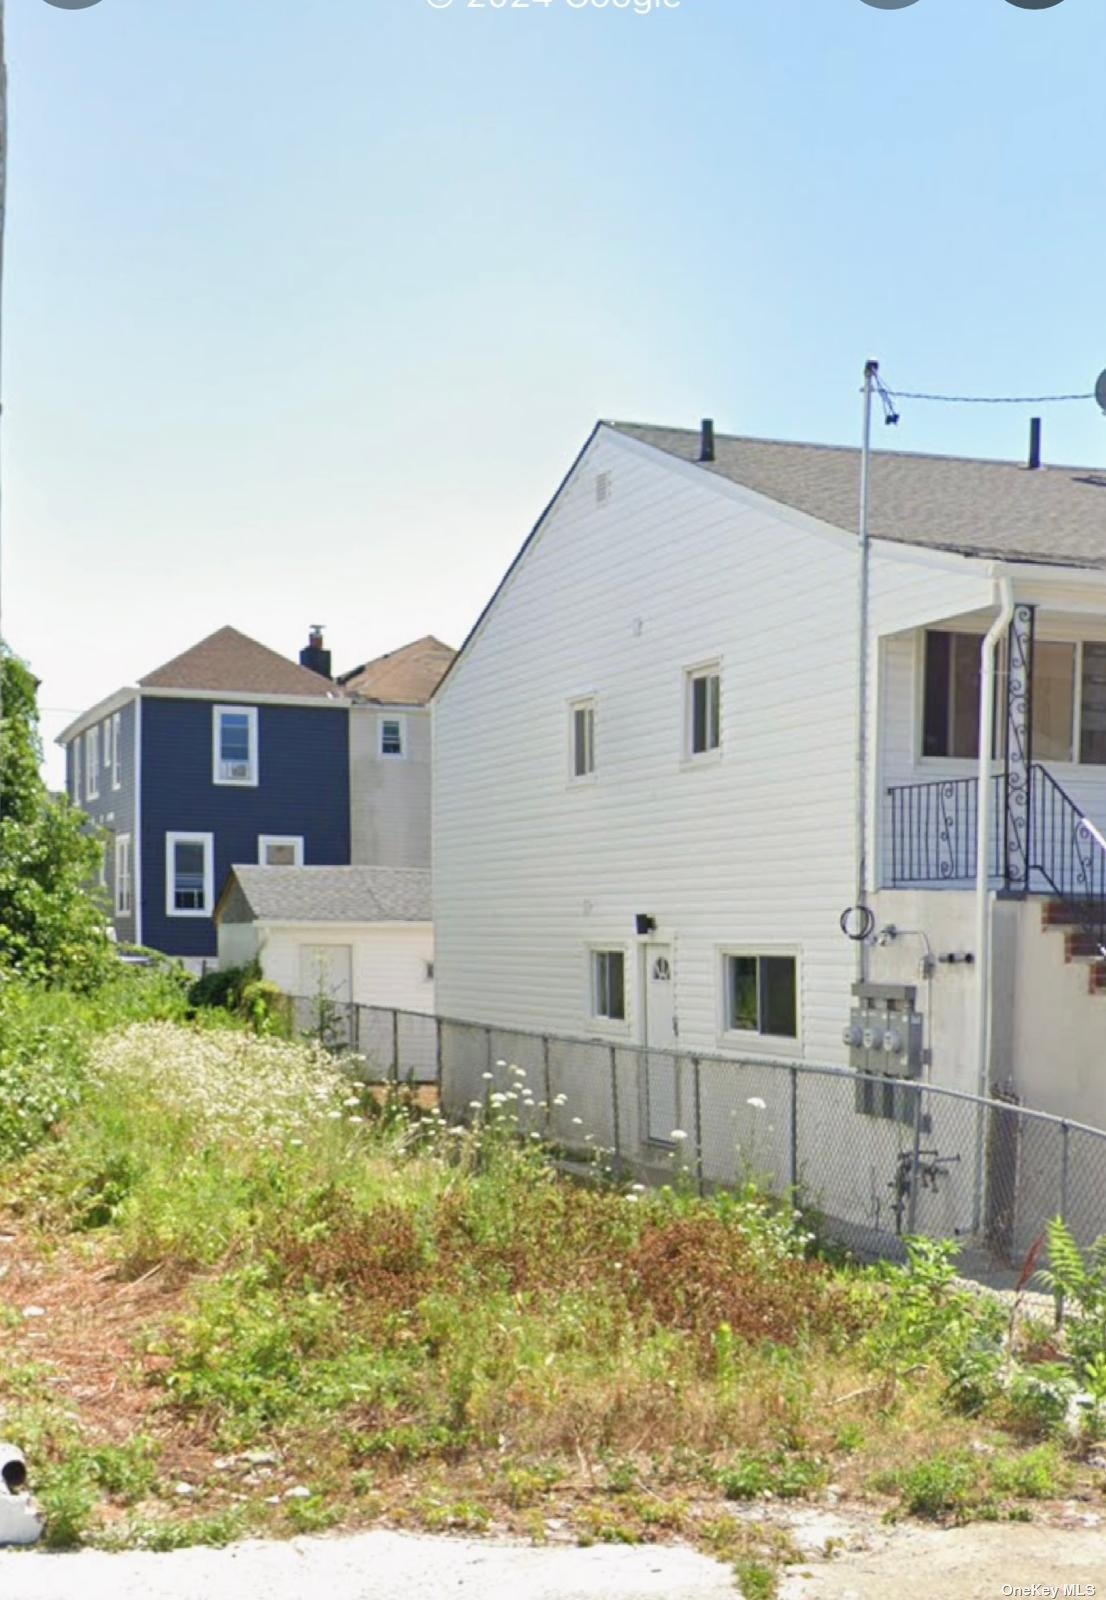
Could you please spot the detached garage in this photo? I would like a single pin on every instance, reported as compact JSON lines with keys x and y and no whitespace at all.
{"x":361,"y":934}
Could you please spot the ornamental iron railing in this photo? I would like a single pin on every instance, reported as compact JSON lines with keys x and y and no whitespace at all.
{"x":1058,"y":850}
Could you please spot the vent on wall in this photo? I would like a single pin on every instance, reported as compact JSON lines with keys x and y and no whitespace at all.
{"x":602,"y":488}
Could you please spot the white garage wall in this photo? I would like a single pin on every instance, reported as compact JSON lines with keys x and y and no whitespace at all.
{"x":390,"y":959}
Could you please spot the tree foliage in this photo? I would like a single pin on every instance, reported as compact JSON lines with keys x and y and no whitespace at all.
{"x":52,"y":919}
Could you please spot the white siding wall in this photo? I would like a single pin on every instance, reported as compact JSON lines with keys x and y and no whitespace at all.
{"x":389,"y":960}
{"x":753,"y":850}
{"x":389,"y":796}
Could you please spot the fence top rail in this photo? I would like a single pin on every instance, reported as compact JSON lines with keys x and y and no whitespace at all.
{"x":775,"y":1063}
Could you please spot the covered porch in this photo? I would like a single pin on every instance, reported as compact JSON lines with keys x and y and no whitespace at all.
{"x":1046,"y":777}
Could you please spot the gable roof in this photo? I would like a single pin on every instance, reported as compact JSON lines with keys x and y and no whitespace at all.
{"x":1000,"y":510}
{"x":406,"y":677}
{"x":326,"y":894}
{"x":228,"y":662}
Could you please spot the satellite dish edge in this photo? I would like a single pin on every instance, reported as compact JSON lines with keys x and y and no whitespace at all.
{"x":1100,"y":391}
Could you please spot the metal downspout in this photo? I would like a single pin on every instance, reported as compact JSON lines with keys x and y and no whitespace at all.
{"x":1004,"y":597}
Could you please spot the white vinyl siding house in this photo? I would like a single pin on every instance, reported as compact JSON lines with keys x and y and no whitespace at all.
{"x":688,"y":896}
{"x":679,"y":598}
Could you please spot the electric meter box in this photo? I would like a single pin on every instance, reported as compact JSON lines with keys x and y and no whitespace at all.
{"x":884,"y":1037}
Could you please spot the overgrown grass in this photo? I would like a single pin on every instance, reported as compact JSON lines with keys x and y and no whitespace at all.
{"x":380,"y":1314}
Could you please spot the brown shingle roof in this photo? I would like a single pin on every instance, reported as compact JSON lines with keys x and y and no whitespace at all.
{"x":230,"y":663}
{"x":404,"y":677}
{"x":997,"y":509}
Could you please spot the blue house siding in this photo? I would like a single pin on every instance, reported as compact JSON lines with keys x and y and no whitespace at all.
{"x":303,"y":789}
{"x":112,"y":810}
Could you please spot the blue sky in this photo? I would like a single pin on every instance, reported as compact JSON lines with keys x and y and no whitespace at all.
{"x":309,"y":303}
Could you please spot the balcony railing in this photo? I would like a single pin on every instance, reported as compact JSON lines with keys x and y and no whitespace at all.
{"x":935,"y":831}
{"x":934,"y":839}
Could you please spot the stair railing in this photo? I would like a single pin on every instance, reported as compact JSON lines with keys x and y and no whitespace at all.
{"x":1067,"y":855}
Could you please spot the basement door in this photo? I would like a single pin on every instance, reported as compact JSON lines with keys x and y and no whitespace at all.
{"x":326,"y":980}
{"x":661,"y":1108}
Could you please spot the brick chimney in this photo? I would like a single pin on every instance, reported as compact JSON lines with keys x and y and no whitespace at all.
{"x":315,"y":657}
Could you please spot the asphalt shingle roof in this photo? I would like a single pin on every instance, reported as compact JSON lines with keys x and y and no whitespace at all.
{"x":231,"y":663}
{"x":996,"y":509}
{"x":404,"y":677}
{"x":329,"y":894}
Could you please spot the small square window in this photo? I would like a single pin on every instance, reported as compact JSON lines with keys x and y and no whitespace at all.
{"x":391,"y":736}
{"x":582,"y":738}
{"x":704,"y":711}
{"x":280,"y":850}
{"x":235,"y":739}
{"x":761,"y":995}
{"x":608,"y":975}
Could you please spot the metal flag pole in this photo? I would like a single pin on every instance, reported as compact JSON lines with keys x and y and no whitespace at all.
{"x":871,"y":372}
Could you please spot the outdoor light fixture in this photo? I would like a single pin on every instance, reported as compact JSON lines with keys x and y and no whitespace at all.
{"x":645,"y":923}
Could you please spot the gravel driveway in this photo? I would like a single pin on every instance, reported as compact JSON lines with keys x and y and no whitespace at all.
{"x":370,"y":1566}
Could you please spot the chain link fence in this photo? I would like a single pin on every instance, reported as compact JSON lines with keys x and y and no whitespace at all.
{"x":880,"y":1158}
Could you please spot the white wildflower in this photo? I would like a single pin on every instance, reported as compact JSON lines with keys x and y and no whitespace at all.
{"x":756,"y":1102}
{"x":677,"y":1135}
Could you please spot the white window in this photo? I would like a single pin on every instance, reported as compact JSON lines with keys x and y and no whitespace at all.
{"x":76,"y":771}
{"x":608,"y":985}
{"x":761,"y":995}
{"x":124,"y":876}
{"x":189,"y":874}
{"x":92,"y":764}
{"x":280,"y":850}
{"x":234,"y":733}
{"x":116,"y":754}
{"x":581,"y":734}
{"x":393,"y":736}
{"x":107,"y":744}
{"x":703,"y":712}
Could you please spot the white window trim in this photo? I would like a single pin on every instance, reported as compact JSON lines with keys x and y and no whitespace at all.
{"x":703,"y":669}
{"x":392,"y":755}
{"x":123,"y":848}
{"x":618,"y":1027}
{"x":250,"y":713}
{"x":77,"y":769}
{"x":92,"y":763}
{"x":264,"y":840}
{"x":208,"y":842}
{"x":583,"y":702}
{"x":779,"y":1043}
{"x":116,"y":759}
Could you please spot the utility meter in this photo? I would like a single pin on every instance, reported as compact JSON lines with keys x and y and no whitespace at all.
{"x":884,"y":1037}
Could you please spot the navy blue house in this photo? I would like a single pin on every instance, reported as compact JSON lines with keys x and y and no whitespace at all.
{"x":228,"y":754}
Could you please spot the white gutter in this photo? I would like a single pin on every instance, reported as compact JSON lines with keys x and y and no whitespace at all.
{"x":1004,"y":598}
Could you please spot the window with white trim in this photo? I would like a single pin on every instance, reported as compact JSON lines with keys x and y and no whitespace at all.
{"x":189,"y":874}
{"x":761,"y":995}
{"x":234,"y":732}
{"x":280,"y":850}
{"x":107,"y":743}
{"x":76,"y":748}
{"x":92,"y":764}
{"x":116,"y":756}
{"x":608,"y":985}
{"x":704,"y":711}
{"x":393,"y":737}
{"x":124,"y":876}
{"x":581,"y":733}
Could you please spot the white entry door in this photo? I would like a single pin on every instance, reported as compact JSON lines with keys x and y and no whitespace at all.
{"x":661,"y":1103}
{"x":326,"y":979}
